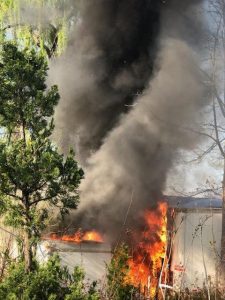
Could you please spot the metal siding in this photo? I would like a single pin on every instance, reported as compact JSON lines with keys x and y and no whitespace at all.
{"x":92,"y":257}
{"x":187,"y":248}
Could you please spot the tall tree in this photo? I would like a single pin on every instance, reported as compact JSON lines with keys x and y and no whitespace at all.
{"x":215,"y":129}
{"x":33,"y":175}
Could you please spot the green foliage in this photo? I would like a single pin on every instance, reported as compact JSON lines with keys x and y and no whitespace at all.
{"x":49,"y":281}
{"x":33,"y":174}
{"x":78,"y":290}
{"x":117,"y":271}
{"x":23,"y":90}
{"x":44,"y":32}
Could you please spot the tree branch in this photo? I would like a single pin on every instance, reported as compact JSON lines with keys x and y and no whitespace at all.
{"x":13,"y":196}
{"x":216,"y":131}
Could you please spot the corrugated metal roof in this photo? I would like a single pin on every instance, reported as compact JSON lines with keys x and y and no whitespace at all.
{"x":193,"y":203}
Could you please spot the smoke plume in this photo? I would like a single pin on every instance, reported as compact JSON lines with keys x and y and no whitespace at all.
{"x":132,"y":93}
{"x":107,"y":64}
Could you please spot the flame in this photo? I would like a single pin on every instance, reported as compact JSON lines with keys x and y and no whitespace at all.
{"x":146,"y":262}
{"x":79,"y":236}
{"x":92,"y":236}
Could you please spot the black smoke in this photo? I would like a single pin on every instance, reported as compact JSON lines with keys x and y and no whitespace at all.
{"x":107,"y":65}
{"x":132,"y":93}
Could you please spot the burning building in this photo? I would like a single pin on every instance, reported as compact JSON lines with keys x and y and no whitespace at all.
{"x":195,"y":240}
{"x":177,"y":247}
{"x":132,"y":97}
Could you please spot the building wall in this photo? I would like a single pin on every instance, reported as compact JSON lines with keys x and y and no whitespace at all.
{"x":92,"y":257}
{"x":196,"y":243}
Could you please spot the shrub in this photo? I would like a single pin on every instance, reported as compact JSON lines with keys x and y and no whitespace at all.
{"x":117,"y":271}
{"x":48,"y":281}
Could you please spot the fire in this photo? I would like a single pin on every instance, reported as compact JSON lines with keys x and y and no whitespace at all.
{"x":79,"y":236}
{"x":147,"y":259}
{"x":92,"y":236}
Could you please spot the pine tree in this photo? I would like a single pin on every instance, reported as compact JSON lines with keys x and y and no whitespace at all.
{"x":33,"y":174}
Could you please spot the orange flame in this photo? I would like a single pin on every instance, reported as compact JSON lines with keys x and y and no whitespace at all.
{"x":146,"y":262}
{"x":79,"y":236}
{"x":92,"y":236}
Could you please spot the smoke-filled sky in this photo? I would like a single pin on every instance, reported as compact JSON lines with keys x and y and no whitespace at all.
{"x":132,"y":94}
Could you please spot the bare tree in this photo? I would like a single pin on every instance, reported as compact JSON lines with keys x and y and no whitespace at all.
{"x":215,"y":129}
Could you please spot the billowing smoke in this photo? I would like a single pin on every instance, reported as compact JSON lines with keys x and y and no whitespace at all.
{"x":107,"y":64}
{"x":132,"y":95}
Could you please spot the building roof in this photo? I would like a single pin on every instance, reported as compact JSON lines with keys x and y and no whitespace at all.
{"x":193,"y":203}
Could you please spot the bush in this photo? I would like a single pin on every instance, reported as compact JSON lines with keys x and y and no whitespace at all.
{"x":49,"y":281}
{"x":117,"y":271}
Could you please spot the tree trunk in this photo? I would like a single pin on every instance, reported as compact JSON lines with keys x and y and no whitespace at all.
{"x":223,"y":229}
{"x":28,"y":255}
{"x":27,"y":248}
